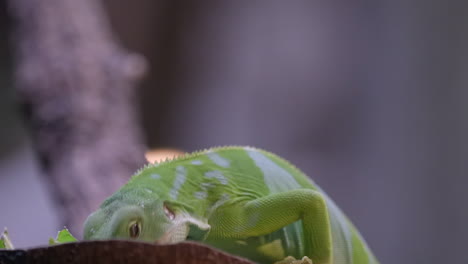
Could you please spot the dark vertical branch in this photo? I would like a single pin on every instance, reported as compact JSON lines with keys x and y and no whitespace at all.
{"x":77,"y":86}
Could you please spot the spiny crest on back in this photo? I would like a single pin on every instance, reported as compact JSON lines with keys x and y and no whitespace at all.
{"x":195,"y":154}
{"x":187,"y":156}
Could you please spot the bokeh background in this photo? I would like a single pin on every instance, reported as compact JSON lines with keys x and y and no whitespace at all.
{"x":369,"y":98}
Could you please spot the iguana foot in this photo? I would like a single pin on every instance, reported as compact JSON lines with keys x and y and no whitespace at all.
{"x":291,"y":260}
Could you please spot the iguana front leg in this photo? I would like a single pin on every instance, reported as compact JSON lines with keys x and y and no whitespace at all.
{"x":267,"y":214}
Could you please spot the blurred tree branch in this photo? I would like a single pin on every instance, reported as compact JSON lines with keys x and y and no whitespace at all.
{"x":77,"y":86}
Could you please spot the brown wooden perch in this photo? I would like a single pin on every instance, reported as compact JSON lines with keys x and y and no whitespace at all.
{"x":113,"y":252}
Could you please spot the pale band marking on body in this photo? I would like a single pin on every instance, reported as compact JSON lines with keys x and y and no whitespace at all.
{"x":200,"y":195}
{"x":204,"y":186}
{"x":207,"y":185}
{"x":217,"y":175}
{"x":155,"y":176}
{"x":197,"y":162}
{"x":181,"y":173}
{"x":218,"y":160}
{"x":276,"y":178}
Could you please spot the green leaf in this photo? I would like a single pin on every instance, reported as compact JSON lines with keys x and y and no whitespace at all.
{"x":5,"y":242}
{"x":63,"y":236}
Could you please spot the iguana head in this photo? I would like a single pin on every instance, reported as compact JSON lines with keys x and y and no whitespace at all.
{"x":141,"y":215}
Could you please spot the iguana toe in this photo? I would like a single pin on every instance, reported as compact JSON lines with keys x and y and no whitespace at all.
{"x":292,"y":260}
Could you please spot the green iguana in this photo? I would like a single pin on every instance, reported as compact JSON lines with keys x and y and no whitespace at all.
{"x":242,"y":200}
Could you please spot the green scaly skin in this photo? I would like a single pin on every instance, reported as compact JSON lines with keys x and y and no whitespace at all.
{"x":243,"y":200}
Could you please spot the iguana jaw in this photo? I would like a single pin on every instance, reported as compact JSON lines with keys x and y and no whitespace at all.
{"x":176,"y":233}
{"x":180,"y":229}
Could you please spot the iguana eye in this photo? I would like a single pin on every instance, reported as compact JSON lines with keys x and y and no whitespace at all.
{"x":134,"y":229}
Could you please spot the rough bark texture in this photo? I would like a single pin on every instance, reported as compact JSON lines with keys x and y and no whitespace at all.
{"x":112,"y":252}
{"x":77,"y":86}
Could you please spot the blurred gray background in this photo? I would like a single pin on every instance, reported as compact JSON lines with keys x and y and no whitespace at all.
{"x":368,"y":98}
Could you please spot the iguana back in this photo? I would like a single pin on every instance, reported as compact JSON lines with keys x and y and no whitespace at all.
{"x":213,"y":185}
